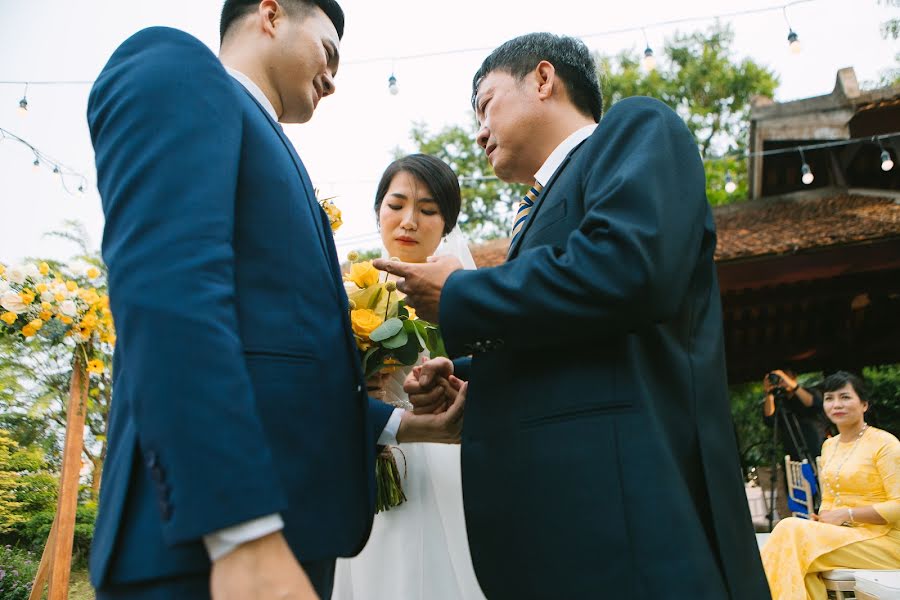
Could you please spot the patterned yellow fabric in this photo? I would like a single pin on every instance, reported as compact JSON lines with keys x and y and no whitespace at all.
{"x":870,"y":476}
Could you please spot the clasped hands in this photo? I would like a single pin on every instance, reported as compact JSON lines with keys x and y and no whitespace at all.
{"x":436,"y":393}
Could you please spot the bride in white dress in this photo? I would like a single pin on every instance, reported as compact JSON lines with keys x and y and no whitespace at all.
{"x":417,"y":550}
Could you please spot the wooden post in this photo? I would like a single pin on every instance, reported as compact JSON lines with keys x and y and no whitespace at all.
{"x":57,"y":555}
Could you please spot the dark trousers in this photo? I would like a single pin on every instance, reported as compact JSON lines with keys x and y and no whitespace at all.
{"x":196,"y":587}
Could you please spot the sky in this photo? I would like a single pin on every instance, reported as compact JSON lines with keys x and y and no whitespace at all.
{"x":354,"y":133}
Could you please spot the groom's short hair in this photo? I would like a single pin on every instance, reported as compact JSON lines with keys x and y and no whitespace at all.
{"x":569,"y":56}
{"x":234,"y":10}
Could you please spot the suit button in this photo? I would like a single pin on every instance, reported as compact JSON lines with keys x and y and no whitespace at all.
{"x":156,"y":473}
{"x":358,"y":389}
{"x":165,"y":510}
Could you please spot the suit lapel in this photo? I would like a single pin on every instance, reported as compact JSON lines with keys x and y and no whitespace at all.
{"x":513,"y":249}
{"x":319,"y":218}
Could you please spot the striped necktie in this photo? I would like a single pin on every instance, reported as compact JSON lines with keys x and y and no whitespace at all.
{"x":525,"y":206}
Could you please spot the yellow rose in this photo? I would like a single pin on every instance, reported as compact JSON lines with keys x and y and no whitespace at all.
{"x":29,"y":331}
{"x":363,"y":274}
{"x":59,"y":297}
{"x":46,"y":315}
{"x":364,"y":321}
{"x":65,"y":319}
{"x":36,"y":324}
{"x":41,"y":288}
{"x":89,"y":296}
{"x":44,"y":268}
{"x":27,"y":297}
{"x":89,"y":320}
{"x":46,"y":306}
{"x":93,"y":273}
{"x":71,"y":286}
{"x":2,"y":269}
{"x":8,"y":317}
{"x":95,"y":392}
{"x":95,"y":367}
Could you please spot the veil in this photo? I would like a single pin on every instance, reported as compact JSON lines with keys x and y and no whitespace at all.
{"x":455,"y":244}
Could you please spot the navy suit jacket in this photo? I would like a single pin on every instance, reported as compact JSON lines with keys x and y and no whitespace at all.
{"x":237,"y":389}
{"x":598,"y":444}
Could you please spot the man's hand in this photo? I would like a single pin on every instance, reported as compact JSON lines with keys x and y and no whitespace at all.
{"x":262,"y":569}
{"x":444,"y":427}
{"x":426,"y":386}
{"x":422,"y":282}
{"x":786,"y":382}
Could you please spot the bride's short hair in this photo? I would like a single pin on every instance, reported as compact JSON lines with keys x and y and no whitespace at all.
{"x":433,"y":172}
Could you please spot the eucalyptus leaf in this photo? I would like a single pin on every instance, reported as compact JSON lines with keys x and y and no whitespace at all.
{"x":386,"y":330}
{"x":396,"y":341}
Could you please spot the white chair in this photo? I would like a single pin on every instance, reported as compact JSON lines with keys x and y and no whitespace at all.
{"x":877,"y":585}
{"x":839,"y":582}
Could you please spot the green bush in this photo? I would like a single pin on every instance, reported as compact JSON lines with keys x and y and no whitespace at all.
{"x":17,"y":571}
{"x":884,"y":389}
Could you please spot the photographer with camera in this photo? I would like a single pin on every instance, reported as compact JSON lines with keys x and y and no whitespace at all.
{"x":796,"y":415}
{"x":802,"y":430}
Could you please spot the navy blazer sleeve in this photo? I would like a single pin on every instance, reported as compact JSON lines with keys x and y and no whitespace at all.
{"x":644,"y":200}
{"x":167,"y":134}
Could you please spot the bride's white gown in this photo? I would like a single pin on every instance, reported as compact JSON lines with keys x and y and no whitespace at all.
{"x":417,"y":550}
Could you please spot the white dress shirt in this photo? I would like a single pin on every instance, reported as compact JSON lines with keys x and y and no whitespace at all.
{"x":545,"y":173}
{"x":219,"y":543}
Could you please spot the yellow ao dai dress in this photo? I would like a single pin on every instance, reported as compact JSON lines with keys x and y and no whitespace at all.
{"x":853,"y":474}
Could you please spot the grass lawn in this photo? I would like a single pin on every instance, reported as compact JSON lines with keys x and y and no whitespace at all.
{"x":80,"y":587}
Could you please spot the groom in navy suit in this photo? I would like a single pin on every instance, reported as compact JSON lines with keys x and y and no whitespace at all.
{"x":241,"y":440}
{"x":598,"y":449}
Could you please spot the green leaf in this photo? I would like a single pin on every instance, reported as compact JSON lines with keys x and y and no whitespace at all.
{"x":386,"y":330}
{"x":397,"y":340}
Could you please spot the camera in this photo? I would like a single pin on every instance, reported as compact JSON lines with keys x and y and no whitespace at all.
{"x":773,"y":379}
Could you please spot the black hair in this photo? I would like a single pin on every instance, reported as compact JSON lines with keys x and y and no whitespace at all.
{"x":839,"y":379}
{"x":569,"y":56}
{"x":433,"y":172}
{"x":234,"y":10}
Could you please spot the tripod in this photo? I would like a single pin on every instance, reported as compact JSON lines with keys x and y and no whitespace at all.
{"x":789,"y":421}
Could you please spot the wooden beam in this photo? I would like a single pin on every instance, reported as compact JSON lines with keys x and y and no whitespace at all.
{"x":61,"y":558}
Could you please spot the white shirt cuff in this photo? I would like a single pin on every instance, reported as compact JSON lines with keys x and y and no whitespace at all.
{"x":219,"y":543}
{"x":388,"y":436}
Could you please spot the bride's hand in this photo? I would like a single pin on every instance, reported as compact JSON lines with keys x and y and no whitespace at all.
{"x":427,"y":385}
{"x":375,"y":385}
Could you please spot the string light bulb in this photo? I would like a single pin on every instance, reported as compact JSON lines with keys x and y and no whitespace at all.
{"x":23,"y":103}
{"x":649,"y":61}
{"x":36,"y":164}
{"x":806,"y":176}
{"x":886,"y":162}
{"x":794,"y":42}
{"x":730,"y":185}
{"x":393,"y":88}
{"x":793,"y":38}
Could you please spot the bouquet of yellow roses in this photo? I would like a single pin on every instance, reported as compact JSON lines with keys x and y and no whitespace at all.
{"x":388,"y":334}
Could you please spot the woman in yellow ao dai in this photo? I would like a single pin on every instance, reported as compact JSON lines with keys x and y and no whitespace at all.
{"x":858,"y":524}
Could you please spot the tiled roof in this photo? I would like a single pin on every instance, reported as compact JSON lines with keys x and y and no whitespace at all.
{"x":783,"y":225}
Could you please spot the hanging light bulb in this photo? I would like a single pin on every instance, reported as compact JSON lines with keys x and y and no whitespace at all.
{"x":392,"y":85}
{"x":807,"y":177}
{"x":649,"y":61}
{"x":23,"y":103}
{"x":794,"y":42}
{"x":886,"y":163}
{"x":36,"y":164}
{"x":793,"y":38}
{"x":730,"y":185}
{"x":81,"y":189}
